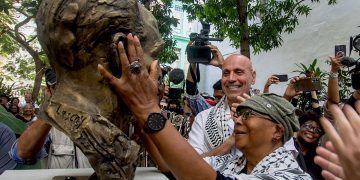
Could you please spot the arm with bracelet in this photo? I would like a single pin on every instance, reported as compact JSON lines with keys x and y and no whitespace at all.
{"x":333,"y":84}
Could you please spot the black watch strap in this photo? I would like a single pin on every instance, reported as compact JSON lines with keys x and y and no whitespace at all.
{"x":154,"y":123}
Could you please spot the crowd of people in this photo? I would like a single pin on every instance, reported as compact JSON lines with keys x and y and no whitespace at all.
{"x":237,"y":133}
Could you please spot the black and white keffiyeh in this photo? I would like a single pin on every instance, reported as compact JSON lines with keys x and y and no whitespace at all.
{"x":216,"y":126}
{"x":278,"y":165}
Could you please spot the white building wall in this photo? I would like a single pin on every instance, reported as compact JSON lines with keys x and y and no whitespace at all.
{"x":314,"y":37}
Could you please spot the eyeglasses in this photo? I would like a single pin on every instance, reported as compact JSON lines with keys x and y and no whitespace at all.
{"x":247,"y":113}
{"x":313,"y":129}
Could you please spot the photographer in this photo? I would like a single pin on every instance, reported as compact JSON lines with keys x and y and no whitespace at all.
{"x":196,"y":102}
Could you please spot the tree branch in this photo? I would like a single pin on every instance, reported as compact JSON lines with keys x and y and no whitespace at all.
{"x":17,"y":26}
{"x":21,"y":11}
{"x":33,"y":38}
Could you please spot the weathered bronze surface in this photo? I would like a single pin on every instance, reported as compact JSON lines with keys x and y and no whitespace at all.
{"x":76,"y":36}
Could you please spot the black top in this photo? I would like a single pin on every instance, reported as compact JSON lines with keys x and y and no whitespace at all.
{"x":306,"y":162}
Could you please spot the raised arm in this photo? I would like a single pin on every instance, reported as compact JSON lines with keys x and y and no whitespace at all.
{"x":333,"y":84}
{"x":32,"y":139}
{"x":139,"y":92}
{"x":271,"y":80}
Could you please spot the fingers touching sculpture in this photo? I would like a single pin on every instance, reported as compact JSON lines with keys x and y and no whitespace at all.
{"x":76,"y":36}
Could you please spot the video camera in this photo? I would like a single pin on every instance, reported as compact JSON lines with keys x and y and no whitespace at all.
{"x":176,"y":78}
{"x":355,"y":43}
{"x":355,"y":73}
{"x":198,"y":52}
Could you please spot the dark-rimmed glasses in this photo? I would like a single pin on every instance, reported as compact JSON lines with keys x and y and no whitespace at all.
{"x":247,"y":113}
{"x":312,"y":128}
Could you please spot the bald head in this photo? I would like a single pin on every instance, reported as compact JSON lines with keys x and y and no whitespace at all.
{"x":239,"y":57}
{"x":237,"y":76}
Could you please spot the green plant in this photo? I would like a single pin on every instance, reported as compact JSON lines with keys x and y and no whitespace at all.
{"x":5,"y":89}
{"x":312,"y":70}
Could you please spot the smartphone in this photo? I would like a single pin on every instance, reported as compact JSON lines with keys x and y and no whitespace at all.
{"x":340,"y":48}
{"x":308,"y":84}
{"x":282,"y":77}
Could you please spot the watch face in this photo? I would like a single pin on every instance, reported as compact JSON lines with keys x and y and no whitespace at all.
{"x":156,"y":121}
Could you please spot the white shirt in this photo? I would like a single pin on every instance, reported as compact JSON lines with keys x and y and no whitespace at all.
{"x":197,"y":133}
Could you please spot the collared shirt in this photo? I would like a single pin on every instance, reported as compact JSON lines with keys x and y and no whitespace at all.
{"x":7,"y":138}
{"x":60,"y":151}
{"x":197,"y":103}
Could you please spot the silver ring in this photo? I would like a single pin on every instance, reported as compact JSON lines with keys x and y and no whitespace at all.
{"x":135,"y":66}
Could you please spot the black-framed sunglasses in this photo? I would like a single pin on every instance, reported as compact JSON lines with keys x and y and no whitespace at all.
{"x":247,"y":113}
{"x":312,"y":128}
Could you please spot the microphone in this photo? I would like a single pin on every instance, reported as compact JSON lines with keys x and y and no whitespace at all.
{"x":176,"y":76}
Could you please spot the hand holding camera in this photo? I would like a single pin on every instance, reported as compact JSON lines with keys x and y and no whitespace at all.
{"x":217,"y":58}
{"x":291,"y":91}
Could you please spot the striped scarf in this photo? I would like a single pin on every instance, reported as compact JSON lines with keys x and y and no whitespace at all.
{"x":216,"y":126}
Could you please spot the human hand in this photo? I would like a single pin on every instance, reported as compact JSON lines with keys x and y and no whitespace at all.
{"x":239,"y":99}
{"x":272,"y":80}
{"x":230,"y":142}
{"x":328,"y":160}
{"x":218,"y":58}
{"x":290,"y":91}
{"x":138,"y":91}
{"x":336,"y":62}
{"x":345,"y":143}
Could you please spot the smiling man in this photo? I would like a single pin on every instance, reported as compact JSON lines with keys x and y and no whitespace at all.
{"x":211,"y":132}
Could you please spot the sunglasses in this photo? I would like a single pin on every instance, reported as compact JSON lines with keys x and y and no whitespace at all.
{"x":313,"y":129}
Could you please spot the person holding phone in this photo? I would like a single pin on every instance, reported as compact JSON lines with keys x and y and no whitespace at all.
{"x":273,"y":79}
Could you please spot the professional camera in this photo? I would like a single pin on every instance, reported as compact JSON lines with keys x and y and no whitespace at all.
{"x":355,"y":73}
{"x":176,"y":78}
{"x":198,"y":52}
{"x":355,"y":43}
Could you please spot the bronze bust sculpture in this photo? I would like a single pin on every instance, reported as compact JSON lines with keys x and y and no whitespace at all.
{"x":76,"y":36}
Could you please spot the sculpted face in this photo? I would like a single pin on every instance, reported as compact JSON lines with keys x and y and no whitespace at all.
{"x":77,"y":36}
{"x":237,"y":76}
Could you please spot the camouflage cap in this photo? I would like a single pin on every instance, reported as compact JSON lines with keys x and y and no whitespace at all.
{"x":279,"y":109}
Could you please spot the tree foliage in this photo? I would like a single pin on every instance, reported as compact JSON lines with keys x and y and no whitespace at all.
{"x":18,"y":42}
{"x":161,"y":11}
{"x":258,"y":23}
{"x":23,"y":52}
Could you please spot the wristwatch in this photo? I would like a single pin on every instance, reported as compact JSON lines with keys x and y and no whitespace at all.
{"x":154,"y":123}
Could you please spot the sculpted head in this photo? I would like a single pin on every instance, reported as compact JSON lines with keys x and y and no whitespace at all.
{"x":78,"y":35}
